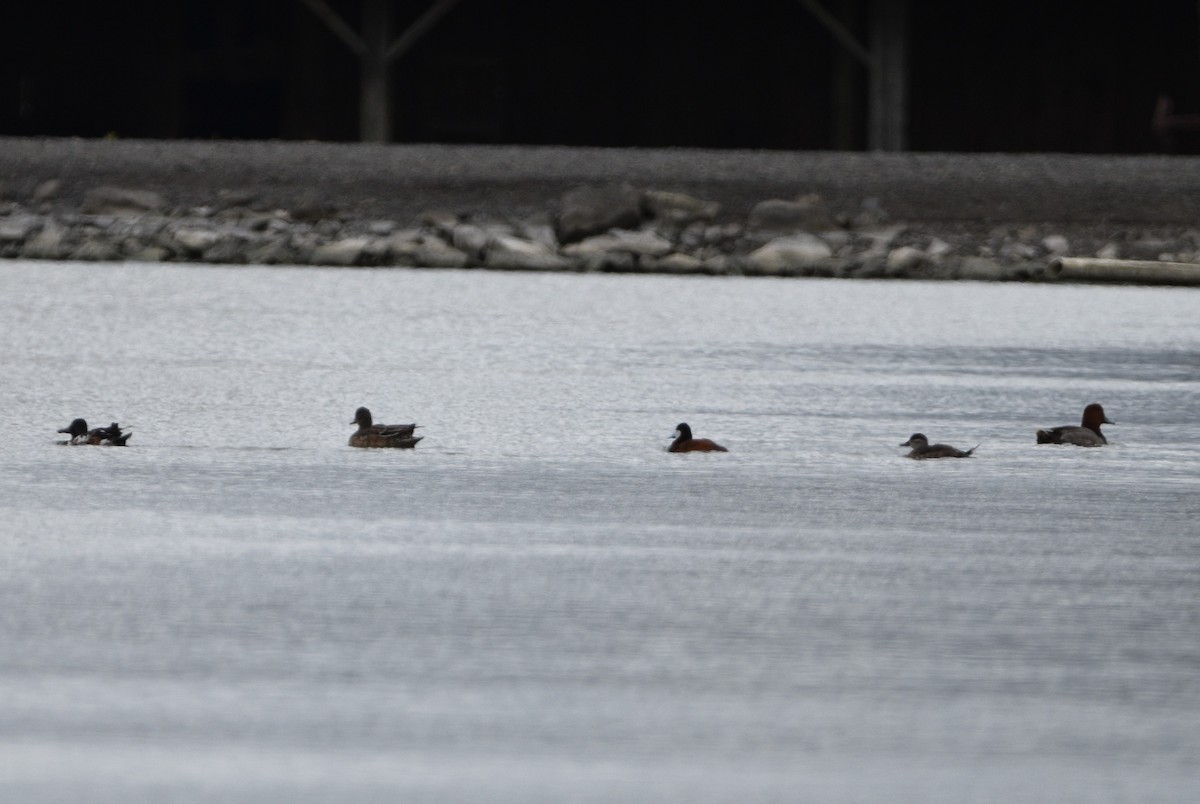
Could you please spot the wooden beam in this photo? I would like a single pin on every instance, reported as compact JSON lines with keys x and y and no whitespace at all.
{"x":375,"y":103}
{"x":846,"y":114}
{"x":840,"y":32}
{"x":337,"y":26}
{"x":888,"y":126}
{"x":419,"y":28}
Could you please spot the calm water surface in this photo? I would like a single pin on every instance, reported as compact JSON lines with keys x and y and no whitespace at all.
{"x":539,"y":604}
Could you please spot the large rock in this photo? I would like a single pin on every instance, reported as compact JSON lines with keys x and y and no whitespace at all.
{"x":47,"y":190}
{"x":794,"y":252}
{"x":433,"y":253}
{"x":272,"y":251}
{"x":808,"y":213}
{"x":345,"y":252}
{"x":149,"y":253}
{"x":678,"y":209}
{"x":195,"y":240}
{"x":228,"y":250}
{"x":18,"y":228}
{"x":644,"y":243}
{"x":539,"y":231}
{"x":509,"y":252}
{"x":49,"y":244}
{"x":587,"y":211}
{"x":905,"y":260}
{"x":1056,"y":244}
{"x":120,"y":201}
{"x":96,"y":249}
{"x":470,"y":239}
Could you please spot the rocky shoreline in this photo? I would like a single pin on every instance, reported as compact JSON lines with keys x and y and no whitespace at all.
{"x":549,"y":217}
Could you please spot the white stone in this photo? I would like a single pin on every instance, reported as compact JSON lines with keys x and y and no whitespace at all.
{"x":882,"y":238}
{"x":469,"y":238}
{"x":509,"y":244}
{"x":195,"y":239}
{"x":806,"y":213}
{"x":95,"y":250}
{"x":540,"y":233}
{"x":514,"y":253}
{"x":677,"y":208}
{"x":433,"y":253}
{"x":1109,"y":251}
{"x":344,"y":252}
{"x":16,"y":228}
{"x":1056,"y":244}
{"x":794,"y":251}
{"x":381,"y":228}
{"x":938,"y":248}
{"x":643,"y":242}
{"x":905,"y":258}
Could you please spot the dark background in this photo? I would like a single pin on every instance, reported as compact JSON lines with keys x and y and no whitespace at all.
{"x":988,"y":76}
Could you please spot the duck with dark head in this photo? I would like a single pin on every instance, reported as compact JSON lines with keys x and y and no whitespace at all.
{"x":922,"y":449}
{"x":369,"y":434}
{"x":110,"y":436}
{"x":684,"y":442}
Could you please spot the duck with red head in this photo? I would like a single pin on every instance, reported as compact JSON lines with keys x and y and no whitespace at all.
{"x":369,"y":434}
{"x":685,"y":443}
{"x":1087,"y":434}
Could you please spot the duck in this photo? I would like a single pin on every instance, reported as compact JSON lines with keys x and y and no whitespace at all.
{"x":685,"y":443}
{"x":368,"y":434}
{"x":922,"y":449}
{"x":1087,"y":434}
{"x":110,"y":436}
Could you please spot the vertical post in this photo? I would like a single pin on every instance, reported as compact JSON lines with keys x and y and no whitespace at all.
{"x":889,"y":76}
{"x":375,"y":108}
{"x":842,"y":91}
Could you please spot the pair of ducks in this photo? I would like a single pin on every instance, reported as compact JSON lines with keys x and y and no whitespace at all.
{"x":401,"y":436}
{"x":367,"y":435}
{"x":1087,"y":434}
{"x":78,"y":433}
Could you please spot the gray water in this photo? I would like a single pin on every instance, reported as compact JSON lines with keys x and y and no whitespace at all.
{"x":539,"y":604}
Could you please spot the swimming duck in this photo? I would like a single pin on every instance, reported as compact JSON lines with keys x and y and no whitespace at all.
{"x":922,"y":449}
{"x":1087,"y":434}
{"x":685,"y":443}
{"x":399,"y":436}
{"x":110,"y":436}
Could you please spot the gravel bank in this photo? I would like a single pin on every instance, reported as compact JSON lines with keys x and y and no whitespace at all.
{"x":780,"y":213}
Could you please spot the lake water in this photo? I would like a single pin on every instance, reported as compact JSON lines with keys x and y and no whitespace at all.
{"x":539,"y":604}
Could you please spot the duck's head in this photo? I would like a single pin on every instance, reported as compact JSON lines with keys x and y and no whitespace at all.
{"x":1093,"y":416}
{"x":362,"y":417}
{"x":682,"y":431}
{"x":75,"y":428}
{"x":916,"y":440}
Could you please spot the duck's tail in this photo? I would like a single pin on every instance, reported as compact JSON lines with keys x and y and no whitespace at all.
{"x":971,"y":451}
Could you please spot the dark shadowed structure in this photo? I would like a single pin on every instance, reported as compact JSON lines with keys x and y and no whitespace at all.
{"x":777,"y":74}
